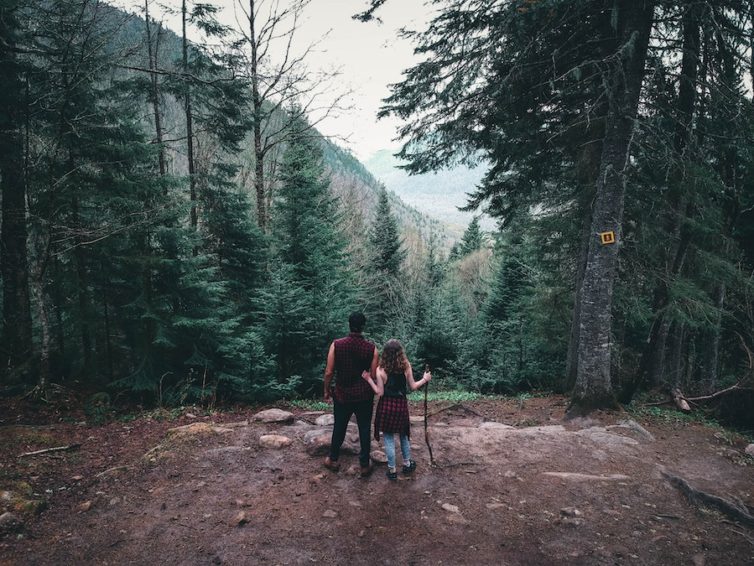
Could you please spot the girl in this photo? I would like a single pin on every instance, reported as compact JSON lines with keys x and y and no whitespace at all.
{"x":393,"y":374}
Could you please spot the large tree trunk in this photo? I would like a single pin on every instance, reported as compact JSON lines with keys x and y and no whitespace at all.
{"x":593,"y":387}
{"x":16,"y":332}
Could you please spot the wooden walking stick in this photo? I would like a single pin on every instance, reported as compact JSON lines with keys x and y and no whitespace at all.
{"x":426,"y":430}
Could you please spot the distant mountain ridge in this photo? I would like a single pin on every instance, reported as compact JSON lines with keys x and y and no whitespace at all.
{"x":438,"y":194}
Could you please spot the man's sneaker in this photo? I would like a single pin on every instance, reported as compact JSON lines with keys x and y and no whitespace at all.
{"x":332,"y":464}
{"x":392,"y":475}
{"x":410,"y":468}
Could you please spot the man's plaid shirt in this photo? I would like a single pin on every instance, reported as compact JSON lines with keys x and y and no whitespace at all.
{"x":353,"y":355}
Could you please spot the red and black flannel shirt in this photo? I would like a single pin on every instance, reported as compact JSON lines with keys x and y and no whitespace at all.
{"x":353,"y":355}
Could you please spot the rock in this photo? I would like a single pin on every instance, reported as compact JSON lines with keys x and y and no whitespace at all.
{"x":190,"y":416}
{"x":275,"y":441}
{"x":317,"y":442}
{"x":495,"y":505}
{"x":637,"y":428}
{"x":378,"y":456}
{"x":77,"y":478}
{"x":325,"y":420}
{"x":85,"y":506}
{"x":570,"y":512}
{"x":329,"y":514}
{"x":699,"y":560}
{"x":456,"y":519}
{"x":571,"y":521}
{"x":750,"y":450}
{"x":114,"y":501}
{"x":9,"y":523}
{"x":495,"y":425}
{"x":353,"y":470}
{"x":417,"y":419}
{"x":240,"y":519}
{"x":274,"y":416}
{"x":450,"y":508}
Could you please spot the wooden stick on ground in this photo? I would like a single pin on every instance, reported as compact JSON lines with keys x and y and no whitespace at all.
{"x":426,"y":429}
{"x":56,"y":449}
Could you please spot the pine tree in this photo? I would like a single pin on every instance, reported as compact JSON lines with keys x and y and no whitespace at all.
{"x":310,"y":267}
{"x":472,"y":238}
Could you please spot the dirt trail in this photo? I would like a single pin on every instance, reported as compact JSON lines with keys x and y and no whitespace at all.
{"x":584,"y":492}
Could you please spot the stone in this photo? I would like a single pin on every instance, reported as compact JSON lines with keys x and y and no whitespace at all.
{"x":274,"y":441}
{"x":240,"y":519}
{"x":750,"y":450}
{"x":325,"y":420}
{"x":85,"y":506}
{"x":9,"y":523}
{"x":495,"y":425}
{"x":450,"y":508}
{"x":456,"y":519}
{"x":317,"y":442}
{"x":329,"y":514}
{"x":570,"y":512}
{"x":274,"y":416}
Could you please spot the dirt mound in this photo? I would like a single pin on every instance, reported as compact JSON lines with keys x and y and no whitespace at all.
{"x":584,"y":492}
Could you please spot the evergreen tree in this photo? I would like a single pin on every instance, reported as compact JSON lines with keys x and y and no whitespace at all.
{"x":310,"y":267}
{"x":472,"y":238}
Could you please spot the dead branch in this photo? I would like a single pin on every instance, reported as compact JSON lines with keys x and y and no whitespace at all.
{"x":679,"y":400}
{"x":56,"y":449}
{"x":734,"y":510}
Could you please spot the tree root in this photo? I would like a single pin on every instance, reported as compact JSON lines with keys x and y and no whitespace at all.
{"x":736,"y":510}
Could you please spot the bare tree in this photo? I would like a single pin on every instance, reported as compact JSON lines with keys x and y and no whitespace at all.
{"x":283,"y":90}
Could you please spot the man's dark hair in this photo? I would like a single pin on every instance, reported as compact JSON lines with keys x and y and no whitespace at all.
{"x":356,"y":321}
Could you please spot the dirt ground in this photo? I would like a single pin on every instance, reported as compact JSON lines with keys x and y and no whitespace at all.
{"x":513,"y":484}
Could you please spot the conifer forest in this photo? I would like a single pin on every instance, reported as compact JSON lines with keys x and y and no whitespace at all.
{"x":175,"y":228}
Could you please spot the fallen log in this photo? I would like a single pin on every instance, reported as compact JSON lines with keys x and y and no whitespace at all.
{"x":55,"y":449}
{"x":737,"y":511}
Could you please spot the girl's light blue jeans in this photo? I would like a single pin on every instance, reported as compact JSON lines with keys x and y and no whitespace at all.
{"x":390,"y":449}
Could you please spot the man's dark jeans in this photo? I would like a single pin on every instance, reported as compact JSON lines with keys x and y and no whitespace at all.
{"x":343,"y":412}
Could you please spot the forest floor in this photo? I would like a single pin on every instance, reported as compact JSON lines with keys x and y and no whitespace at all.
{"x":513,"y":484}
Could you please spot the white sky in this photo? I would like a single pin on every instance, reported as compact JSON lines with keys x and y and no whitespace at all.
{"x":369,"y":56}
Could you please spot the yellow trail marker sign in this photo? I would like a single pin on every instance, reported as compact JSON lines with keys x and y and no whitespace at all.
{"x":607,"y":238}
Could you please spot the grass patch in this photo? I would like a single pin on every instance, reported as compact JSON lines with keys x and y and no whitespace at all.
{"x":310,"y":405}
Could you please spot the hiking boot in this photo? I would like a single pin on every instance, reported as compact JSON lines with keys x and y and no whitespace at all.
{"x":407,"y":470}
{"x":366,"y":471}
{"x":392,"y":475}
{"x":332,"y":465}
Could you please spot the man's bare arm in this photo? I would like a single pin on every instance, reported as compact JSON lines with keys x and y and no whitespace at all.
{"x":329,"y":370}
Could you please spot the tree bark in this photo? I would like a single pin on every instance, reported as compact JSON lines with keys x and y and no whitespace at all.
{"x":17,"y":330}
{"x":189,"y":124}
{"x":593,"y":387}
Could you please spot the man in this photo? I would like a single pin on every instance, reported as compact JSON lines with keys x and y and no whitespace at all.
{"x":347,"y":359}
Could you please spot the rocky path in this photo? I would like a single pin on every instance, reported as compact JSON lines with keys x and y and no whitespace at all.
{"x":255,"y":492}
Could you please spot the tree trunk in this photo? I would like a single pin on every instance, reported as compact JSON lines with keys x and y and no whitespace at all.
{"x":189,"y":124}
{"x":155,"y":94}
{"x":82,"y":288}
{"x":593,"y":387}
{"x":256,"y":101}
{"x":17,"y":330}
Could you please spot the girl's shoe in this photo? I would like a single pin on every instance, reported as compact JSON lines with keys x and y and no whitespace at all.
{"x":392,"y":475}
{"x":407,"y":470}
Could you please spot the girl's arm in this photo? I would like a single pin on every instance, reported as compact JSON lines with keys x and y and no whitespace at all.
{"x":377,"y":384}
{"x":414,"y":385}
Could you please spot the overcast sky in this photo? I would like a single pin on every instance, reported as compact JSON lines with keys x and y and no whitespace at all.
{"x":370,"y":56}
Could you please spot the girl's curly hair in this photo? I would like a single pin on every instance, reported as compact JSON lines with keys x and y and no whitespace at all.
{"x":393,"y":359}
